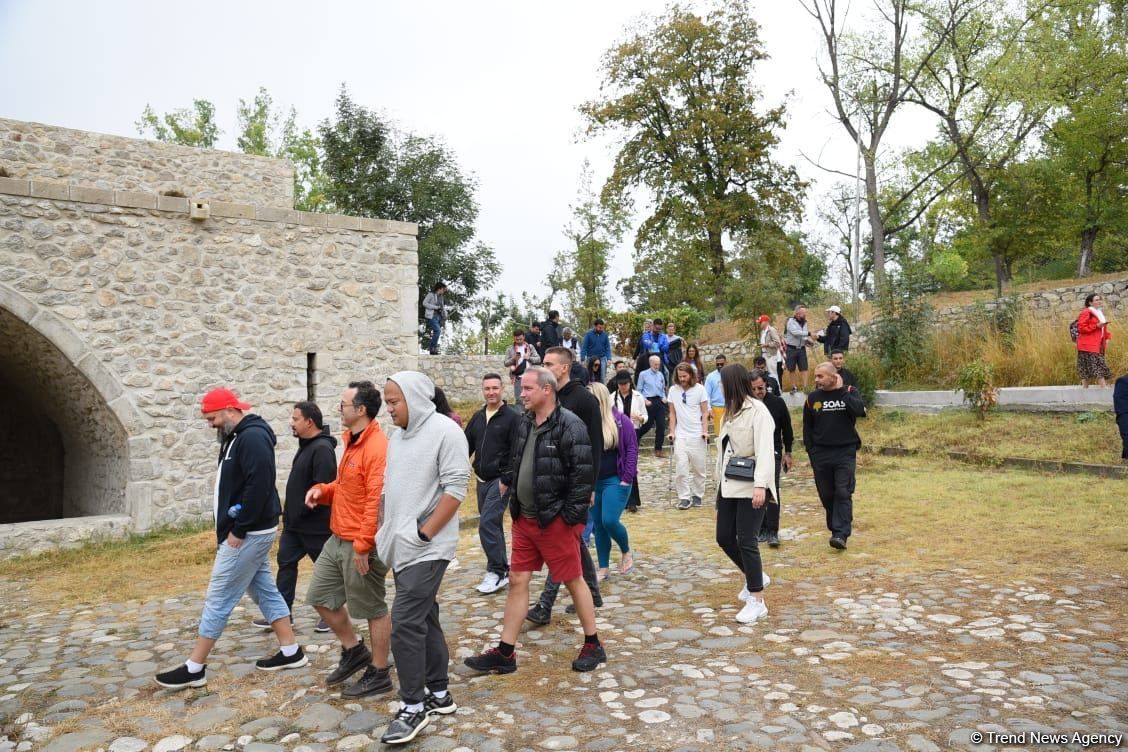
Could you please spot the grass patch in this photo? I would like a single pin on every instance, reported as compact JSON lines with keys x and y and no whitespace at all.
{"x":1085,"y":437}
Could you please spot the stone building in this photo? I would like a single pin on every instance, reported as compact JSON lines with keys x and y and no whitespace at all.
{"x":135,"y":276}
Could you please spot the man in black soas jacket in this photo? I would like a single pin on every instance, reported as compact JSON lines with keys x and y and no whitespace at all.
{"x":574,"y":397}
{"x":305,"y":530}
{"x":832,"y":442}
{"x":783,"y":438}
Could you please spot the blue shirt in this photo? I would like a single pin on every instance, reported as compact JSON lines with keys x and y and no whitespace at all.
{"x":596,"y":345}
{"x":652,"y":384}
{"x":713,"y":389}
{"x":655,"y":344}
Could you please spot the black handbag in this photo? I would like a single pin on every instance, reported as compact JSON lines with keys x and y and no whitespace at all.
{"x":740,"y":468}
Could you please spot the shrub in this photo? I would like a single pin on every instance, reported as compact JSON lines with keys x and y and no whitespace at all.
{"x":867,"y":371}
{"x":901,"y":334}
{"x":977,"y":380}
{"x":949,"y":269}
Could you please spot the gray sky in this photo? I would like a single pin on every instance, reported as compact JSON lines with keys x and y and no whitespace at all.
{"x":499,"y":82}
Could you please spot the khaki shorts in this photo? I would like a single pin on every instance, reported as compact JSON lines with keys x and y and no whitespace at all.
{"x":336,"y":582}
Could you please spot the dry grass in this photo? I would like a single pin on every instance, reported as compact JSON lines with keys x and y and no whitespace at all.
{"x":1045,"y":436}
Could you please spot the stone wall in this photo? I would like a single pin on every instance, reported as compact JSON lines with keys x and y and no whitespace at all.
{"x":1061,"y":304}
{"x":460,"y":376}
{"x":46,"y":152}
{"x":117,"y":312}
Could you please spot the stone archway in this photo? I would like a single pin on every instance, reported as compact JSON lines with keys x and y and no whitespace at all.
{"x":64,"y":424}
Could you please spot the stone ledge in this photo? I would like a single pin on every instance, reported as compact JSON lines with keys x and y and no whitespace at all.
{"x":55,"y":190}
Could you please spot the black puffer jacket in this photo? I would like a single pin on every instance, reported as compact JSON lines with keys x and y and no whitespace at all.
{"x":564,"y":468}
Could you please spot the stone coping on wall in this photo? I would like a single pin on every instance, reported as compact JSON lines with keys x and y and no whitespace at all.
{"x":56,"y":190}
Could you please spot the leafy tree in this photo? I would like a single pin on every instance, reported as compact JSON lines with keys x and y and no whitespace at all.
{"x":679,"y":91}
{"x":188,"y":126}
{"x":374,"y":170}
{"x":267,"y":133}
{"x":580,"y":271}
{"x":773,"y":272}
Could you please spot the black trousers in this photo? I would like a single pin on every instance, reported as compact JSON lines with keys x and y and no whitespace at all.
{"x":771,"y":516}
{"x":738,"y":526}
{"x":292,"y":548}
{"x":835,"y":469}
{"x":634,"y":501}
{"x":656,"y":419}
{"x":552,"y":587}
{"x":1122,"y":422}
{"x":418,"y":643}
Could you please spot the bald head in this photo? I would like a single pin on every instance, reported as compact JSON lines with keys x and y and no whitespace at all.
{"x":826,"y":376}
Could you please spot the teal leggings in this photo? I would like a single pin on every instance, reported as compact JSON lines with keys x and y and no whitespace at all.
{"x":610,"y":501}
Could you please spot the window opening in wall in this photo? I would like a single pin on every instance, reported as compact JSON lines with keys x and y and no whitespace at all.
{"x":311,"y":377}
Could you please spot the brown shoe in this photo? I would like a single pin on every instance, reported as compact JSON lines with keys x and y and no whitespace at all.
{"x":659,"y":454}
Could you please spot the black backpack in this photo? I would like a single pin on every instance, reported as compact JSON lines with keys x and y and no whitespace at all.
{"x":1074,"y":330}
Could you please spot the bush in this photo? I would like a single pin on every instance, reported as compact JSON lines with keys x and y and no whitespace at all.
{"x":867,"y":371}
{"x":949,"y":269}
{"x":625,"y":327}
{"x":900,"y":336}
{"x":977,"y":380}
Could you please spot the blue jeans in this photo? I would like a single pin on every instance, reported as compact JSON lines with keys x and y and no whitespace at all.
{"x":245,"y":569}
{"x":610,"y":501}
{"x":491,"y":532}
{"x":435,"y":324}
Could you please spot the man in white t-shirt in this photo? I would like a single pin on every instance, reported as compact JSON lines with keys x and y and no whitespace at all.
{"x":689,"y":430}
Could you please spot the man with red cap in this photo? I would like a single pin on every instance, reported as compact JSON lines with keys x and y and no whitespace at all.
{"x":246,"y":509}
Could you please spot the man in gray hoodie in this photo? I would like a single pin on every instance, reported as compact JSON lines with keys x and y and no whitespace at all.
{"x":425,"y":480}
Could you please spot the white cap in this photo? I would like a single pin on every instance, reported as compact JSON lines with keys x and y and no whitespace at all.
{"x":834,"y":309}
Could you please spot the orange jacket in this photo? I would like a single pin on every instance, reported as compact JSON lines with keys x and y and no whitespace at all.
{"x":355,"y":495}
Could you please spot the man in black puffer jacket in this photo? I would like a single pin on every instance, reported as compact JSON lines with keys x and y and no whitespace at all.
{"x":549,"y":489}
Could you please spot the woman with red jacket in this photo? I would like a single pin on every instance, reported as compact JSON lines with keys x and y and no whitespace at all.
{"x":1093,"y":333}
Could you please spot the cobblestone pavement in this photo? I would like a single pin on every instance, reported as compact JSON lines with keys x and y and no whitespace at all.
{"x":877,"y":662}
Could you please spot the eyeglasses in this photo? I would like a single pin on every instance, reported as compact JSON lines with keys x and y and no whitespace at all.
{"x":342,"y":405}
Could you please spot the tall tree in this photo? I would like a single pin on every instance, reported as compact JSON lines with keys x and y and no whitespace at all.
{"x":982,"y":81}
{"x":266,"y":133}
{"x":869,"y":75}
{"x":679,"y":91}
{"x":373,"y":170}
{"x":580,"y":271}
{"x":187,"y":126}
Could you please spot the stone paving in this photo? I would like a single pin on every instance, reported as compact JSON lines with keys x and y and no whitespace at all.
{"x":874,"y":663}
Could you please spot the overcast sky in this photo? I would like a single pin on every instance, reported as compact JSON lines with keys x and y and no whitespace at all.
{"x":499,"y":82}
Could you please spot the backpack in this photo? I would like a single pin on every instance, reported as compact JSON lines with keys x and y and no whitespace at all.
{"x":1074,"y":330}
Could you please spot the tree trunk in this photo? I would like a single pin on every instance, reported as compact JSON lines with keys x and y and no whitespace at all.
{"x":1088,"y":236}
{"x":877,"y":226}
{"x":717,"y":267}
{"x":983,"y":211}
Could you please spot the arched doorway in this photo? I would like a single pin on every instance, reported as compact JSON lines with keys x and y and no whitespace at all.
{"x":63,"y":451}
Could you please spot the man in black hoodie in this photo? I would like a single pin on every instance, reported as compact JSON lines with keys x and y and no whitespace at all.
{"x":832,"y":444}
{"x":306,"y":530}
{"x":574,"y":397}
{"x":246,"y":509}
{"x":783,"y":438}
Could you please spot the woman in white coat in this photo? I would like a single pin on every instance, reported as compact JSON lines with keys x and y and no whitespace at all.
{"x":746,"y":432}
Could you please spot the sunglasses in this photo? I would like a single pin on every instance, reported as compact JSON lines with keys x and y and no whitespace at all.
{"x":684,"y":402}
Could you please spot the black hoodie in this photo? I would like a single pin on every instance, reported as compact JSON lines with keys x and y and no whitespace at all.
{"x":315,"y":462}
{"x":247,"y":473}
{"x":573,"y":396}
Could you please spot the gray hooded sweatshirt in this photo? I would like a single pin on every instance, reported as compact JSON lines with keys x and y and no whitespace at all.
{"x":427,"y":459}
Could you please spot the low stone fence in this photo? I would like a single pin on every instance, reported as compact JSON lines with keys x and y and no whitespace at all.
{"x":1062,"y":304}
{"x":460,"y":376}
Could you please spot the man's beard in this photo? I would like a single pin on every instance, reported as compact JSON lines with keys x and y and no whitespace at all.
{"x":223,"y":432}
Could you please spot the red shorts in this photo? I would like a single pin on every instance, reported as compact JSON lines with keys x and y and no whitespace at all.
{"x":557,"y":545}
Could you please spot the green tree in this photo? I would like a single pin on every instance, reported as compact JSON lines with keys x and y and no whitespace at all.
{"x":679,"y":90}
{"x":188,"y":126}
{"x":266,"y":133}
{"x":373,"y":170}
{"x":580,"y":271}
{"x":772,"y":272}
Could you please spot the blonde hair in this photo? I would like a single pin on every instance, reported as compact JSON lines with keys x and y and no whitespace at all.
{"x":610,"y":425}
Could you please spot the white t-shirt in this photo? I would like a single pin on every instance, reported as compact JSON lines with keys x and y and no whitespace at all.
{"x":688,"y":411}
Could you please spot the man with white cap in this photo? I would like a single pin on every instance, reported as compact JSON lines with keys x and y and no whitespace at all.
{"x":836,"y":336}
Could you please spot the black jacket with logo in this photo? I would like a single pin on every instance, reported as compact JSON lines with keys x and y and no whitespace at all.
{"x":829,"y":417}
{"x":315,"y":462}
{"x":491,"y":443}
{"x":563,"y":466}
{"x":247,"y":474}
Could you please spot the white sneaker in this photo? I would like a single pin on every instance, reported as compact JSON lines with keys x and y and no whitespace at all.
{"x":492,"y":582}
{"x":754,"y":609}
{"x":744,"y":590}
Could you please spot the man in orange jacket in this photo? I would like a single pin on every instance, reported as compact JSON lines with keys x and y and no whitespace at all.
{"x":348,"y":570}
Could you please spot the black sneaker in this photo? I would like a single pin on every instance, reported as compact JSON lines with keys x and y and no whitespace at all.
{"x":762,"y":537}
{"x":278,"y":661}
{"x":837,"y":542}
{"x":493,"y":662}
{"x":405,"y":726}
{"x":773,"y":540}
{"x":262,"y":623}
{"x":181,"y":678}
{"x":684,"y":503}
{"x":376,"y":681}
{"x":591,"y":655}
{"x":321,"y":627}
{"x":352,"y":660}
{"x":539,"y":615}
{"x":697,"y":501}
{"x":434,"y":706}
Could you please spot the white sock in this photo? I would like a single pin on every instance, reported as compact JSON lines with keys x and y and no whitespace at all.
{"x":440,"y":694}
{"x":289,"y":650}
{"x":416,"y":707}
{"x":194,"y":667}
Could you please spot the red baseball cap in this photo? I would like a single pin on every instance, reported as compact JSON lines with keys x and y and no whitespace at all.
{"x":763,"y":318}
{"x":221,"y":399}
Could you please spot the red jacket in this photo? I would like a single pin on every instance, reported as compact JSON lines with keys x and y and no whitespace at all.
{"x":1091,"y":337}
